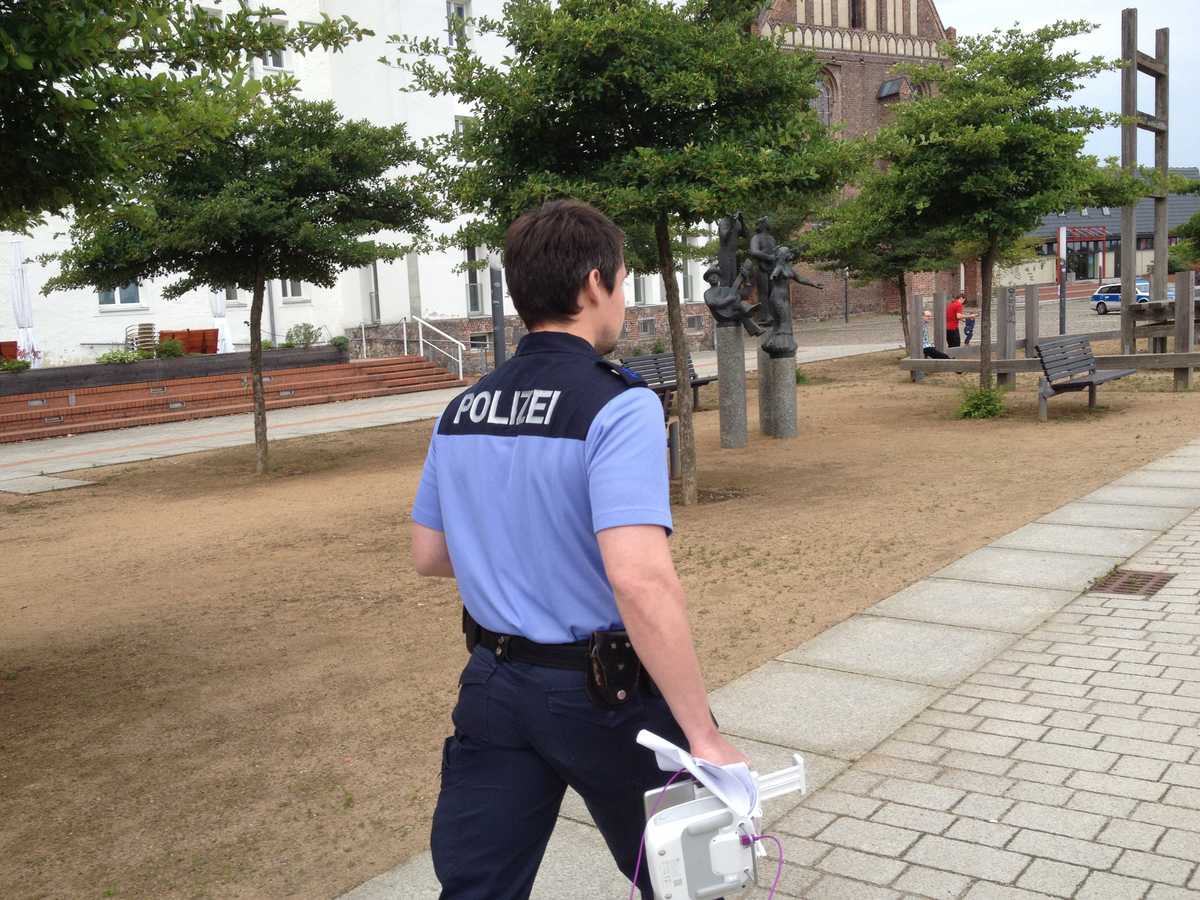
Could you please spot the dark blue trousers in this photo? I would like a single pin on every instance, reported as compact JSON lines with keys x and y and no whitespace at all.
{"x":522,"y":735}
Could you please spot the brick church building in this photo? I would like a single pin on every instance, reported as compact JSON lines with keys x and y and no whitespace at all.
{"x":859,"y":42}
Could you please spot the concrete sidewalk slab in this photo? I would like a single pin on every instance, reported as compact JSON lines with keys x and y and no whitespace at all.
{"x":1029,"y":568}
{"x":1088,"y":540}
{"x":1174,"y":464}
{"x":1179,"y":498}
{"x":1112,"y":515}
{"x":39,"y":484}
{"x":973,"y":604}
{"x":1173,"y":479}
{"x":918,"y":652}
{"x":808,"y":709}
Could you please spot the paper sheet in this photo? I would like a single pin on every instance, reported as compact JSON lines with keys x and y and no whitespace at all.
{"x":733,"y":785}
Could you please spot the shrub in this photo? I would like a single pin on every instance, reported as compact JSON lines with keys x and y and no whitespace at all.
{"x":982,"y":403}
{"x":659,"y":347}
{"x":801,"y":377}
{"x":119,"y":357}
{"x":288,"y":345}
{"x":170,"y":349}
{"x":13,"y":366}
{"x":340,"y":341}
{"x":268,"y":345}
{"x":302,"y":335}
{"x":145,"y":354}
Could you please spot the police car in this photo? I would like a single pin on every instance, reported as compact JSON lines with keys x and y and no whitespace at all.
{"x":1109,"y":295}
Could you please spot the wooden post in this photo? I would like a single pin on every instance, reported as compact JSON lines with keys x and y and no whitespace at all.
{"x":1033,"y":321}
{"x":1006,"y":333}
{"x":1129,"y":164}
{"x":915,"y":350}
{"x":1158,"y":288}
{"x":939,"y":320}
{"x":1185,"y":326}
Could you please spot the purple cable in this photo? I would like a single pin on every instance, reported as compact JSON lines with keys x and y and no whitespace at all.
{"x":778,"y":865}
{"x":642,"y":846}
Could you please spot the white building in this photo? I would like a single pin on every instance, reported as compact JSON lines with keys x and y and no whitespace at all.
{"x":76,"y":326}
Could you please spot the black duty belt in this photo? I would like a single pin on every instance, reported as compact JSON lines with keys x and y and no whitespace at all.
{"x":519,"y":649}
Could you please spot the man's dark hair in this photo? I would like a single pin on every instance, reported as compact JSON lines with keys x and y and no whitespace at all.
{"x":549,"y":253}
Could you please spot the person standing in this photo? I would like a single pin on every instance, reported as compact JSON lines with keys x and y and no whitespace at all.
{"x":545,"y":495}
{"x":954,"y":315}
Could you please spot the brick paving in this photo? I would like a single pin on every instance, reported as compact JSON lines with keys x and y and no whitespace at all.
{"x":1068,"y":766}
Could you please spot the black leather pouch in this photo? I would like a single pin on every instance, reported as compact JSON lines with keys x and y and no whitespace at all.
{"x":614,"y":670}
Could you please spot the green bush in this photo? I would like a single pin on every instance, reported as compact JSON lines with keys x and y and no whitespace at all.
{"x":659,"y":347}
{"x":801,"y":377}
{"x":170,"y":349}
{"x":119,"y":357}
{"x":302,"y":335}
{"x":145,"y":354}
{"x":340,"y":341}
{"x":13,"y":366}
{"x":981,"y":403}
{"x":268,"y":345}
{"x":288,"y":345}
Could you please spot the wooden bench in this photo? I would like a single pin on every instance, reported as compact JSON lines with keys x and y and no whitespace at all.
{"x":658,"y":371}
{"x":1068,"y":365}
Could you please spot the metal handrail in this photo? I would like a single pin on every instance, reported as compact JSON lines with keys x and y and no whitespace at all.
{"x":421,"y":342}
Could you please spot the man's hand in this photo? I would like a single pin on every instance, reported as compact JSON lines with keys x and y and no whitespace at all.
{"x":717,"y":750}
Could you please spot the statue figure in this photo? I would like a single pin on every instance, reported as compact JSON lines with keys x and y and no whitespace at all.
{"x":762,"y":250}
{"x":730,"y":229}
{"x":727,"y":303}
{"x":781,"y":339}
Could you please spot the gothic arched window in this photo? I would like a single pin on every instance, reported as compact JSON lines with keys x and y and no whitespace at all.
{"x":822,"y":104}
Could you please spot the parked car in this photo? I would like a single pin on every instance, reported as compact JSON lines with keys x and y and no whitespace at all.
{"x":1109,"y":295}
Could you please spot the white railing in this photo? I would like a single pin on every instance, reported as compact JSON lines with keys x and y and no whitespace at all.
{"x":422,"y":342}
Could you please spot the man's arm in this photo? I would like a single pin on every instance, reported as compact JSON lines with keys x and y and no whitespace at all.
{"x":650,"y":599}
{"x":429,"y":552}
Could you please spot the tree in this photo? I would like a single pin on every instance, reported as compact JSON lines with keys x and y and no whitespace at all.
{"x":664,"y":116}
{"x":871,"y":235}
{"x":1185,"y":254}
{"x":293,"y":192}
{"x":996,"y":146}
{"x":75,"y":75}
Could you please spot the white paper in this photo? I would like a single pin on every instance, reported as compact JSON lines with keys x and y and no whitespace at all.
{"x":733,"y":784}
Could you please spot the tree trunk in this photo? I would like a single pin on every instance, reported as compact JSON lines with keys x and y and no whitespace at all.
{"x":260,"y":402}
{"x":683,"y":392}
{"x":987,"y":265}
{"x":903,"y":309}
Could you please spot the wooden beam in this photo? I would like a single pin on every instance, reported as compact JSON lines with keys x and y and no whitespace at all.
{"x":1150,"y":65}
{"x":1151,"y":123}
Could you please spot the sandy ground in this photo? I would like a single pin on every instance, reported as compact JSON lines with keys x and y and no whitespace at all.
{"x":217,"y":687}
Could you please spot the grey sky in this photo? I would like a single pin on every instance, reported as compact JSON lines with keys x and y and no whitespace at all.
{"x":1181,"y":16}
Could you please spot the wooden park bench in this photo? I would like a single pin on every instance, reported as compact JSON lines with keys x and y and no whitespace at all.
{"x":1068,"y":365}
{"x":658,"y":371}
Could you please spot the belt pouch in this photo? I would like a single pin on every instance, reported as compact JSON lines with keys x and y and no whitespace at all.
{"x":614,"y":669}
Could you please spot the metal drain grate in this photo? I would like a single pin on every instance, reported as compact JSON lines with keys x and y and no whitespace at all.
{"x":1124,"y":582}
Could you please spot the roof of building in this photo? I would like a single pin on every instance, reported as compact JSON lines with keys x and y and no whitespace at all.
{"x":1180,"y":208}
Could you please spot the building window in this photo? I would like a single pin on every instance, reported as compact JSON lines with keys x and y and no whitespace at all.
{"x":695,"y":323}
{"x":822,"y":104}
{"x":639,"y":290}
{"x":687,"y":282}
{"x":455,"y":13}
{"x":858,"y":13}
{"x":646,"y":327}
{"x":126,"y":295}
{"x":461,"y":123}
{"x":290,"y":289}
{"x":474,"y":288}
{"x":481,"y":340}
{"x":1145,"y":243}
{"x":272,"y":59}
{"x":625,"y":328}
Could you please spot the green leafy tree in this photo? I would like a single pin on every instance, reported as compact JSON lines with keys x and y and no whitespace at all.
{"x":871,"y":235}
{"x":1185,"y":254}
{"x":665,"y":116}
{"x":77,"y":75}
{"x":997,"y":146}
{"x":293,"y":192}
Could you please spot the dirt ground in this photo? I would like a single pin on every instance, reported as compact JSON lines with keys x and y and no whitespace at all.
{"x":213,"y":686}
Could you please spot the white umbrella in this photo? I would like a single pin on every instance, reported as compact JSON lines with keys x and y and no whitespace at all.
{"x":216,"y":301}
{"x":22,"y":307}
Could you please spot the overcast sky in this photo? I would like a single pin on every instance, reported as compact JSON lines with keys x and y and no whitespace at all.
{"x":1181,"y":16}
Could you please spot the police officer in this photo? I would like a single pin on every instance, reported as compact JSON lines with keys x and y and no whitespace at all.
{"x":545,"y":494}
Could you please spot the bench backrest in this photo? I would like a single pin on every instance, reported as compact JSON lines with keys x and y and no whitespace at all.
{"x":658,"y":369}
{"x":1063,"y":357}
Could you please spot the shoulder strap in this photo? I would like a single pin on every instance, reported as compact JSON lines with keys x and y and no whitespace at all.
{"x":630,"y":377}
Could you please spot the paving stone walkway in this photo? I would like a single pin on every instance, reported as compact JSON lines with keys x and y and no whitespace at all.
{"x":997,"y":731}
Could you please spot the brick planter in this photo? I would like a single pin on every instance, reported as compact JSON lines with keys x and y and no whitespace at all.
{"x":96,"y":375}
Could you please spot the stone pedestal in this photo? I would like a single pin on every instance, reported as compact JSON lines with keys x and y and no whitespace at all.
{"x":764,"y":376}
{"x":779,"y":397}
{"x":731,"y":383}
